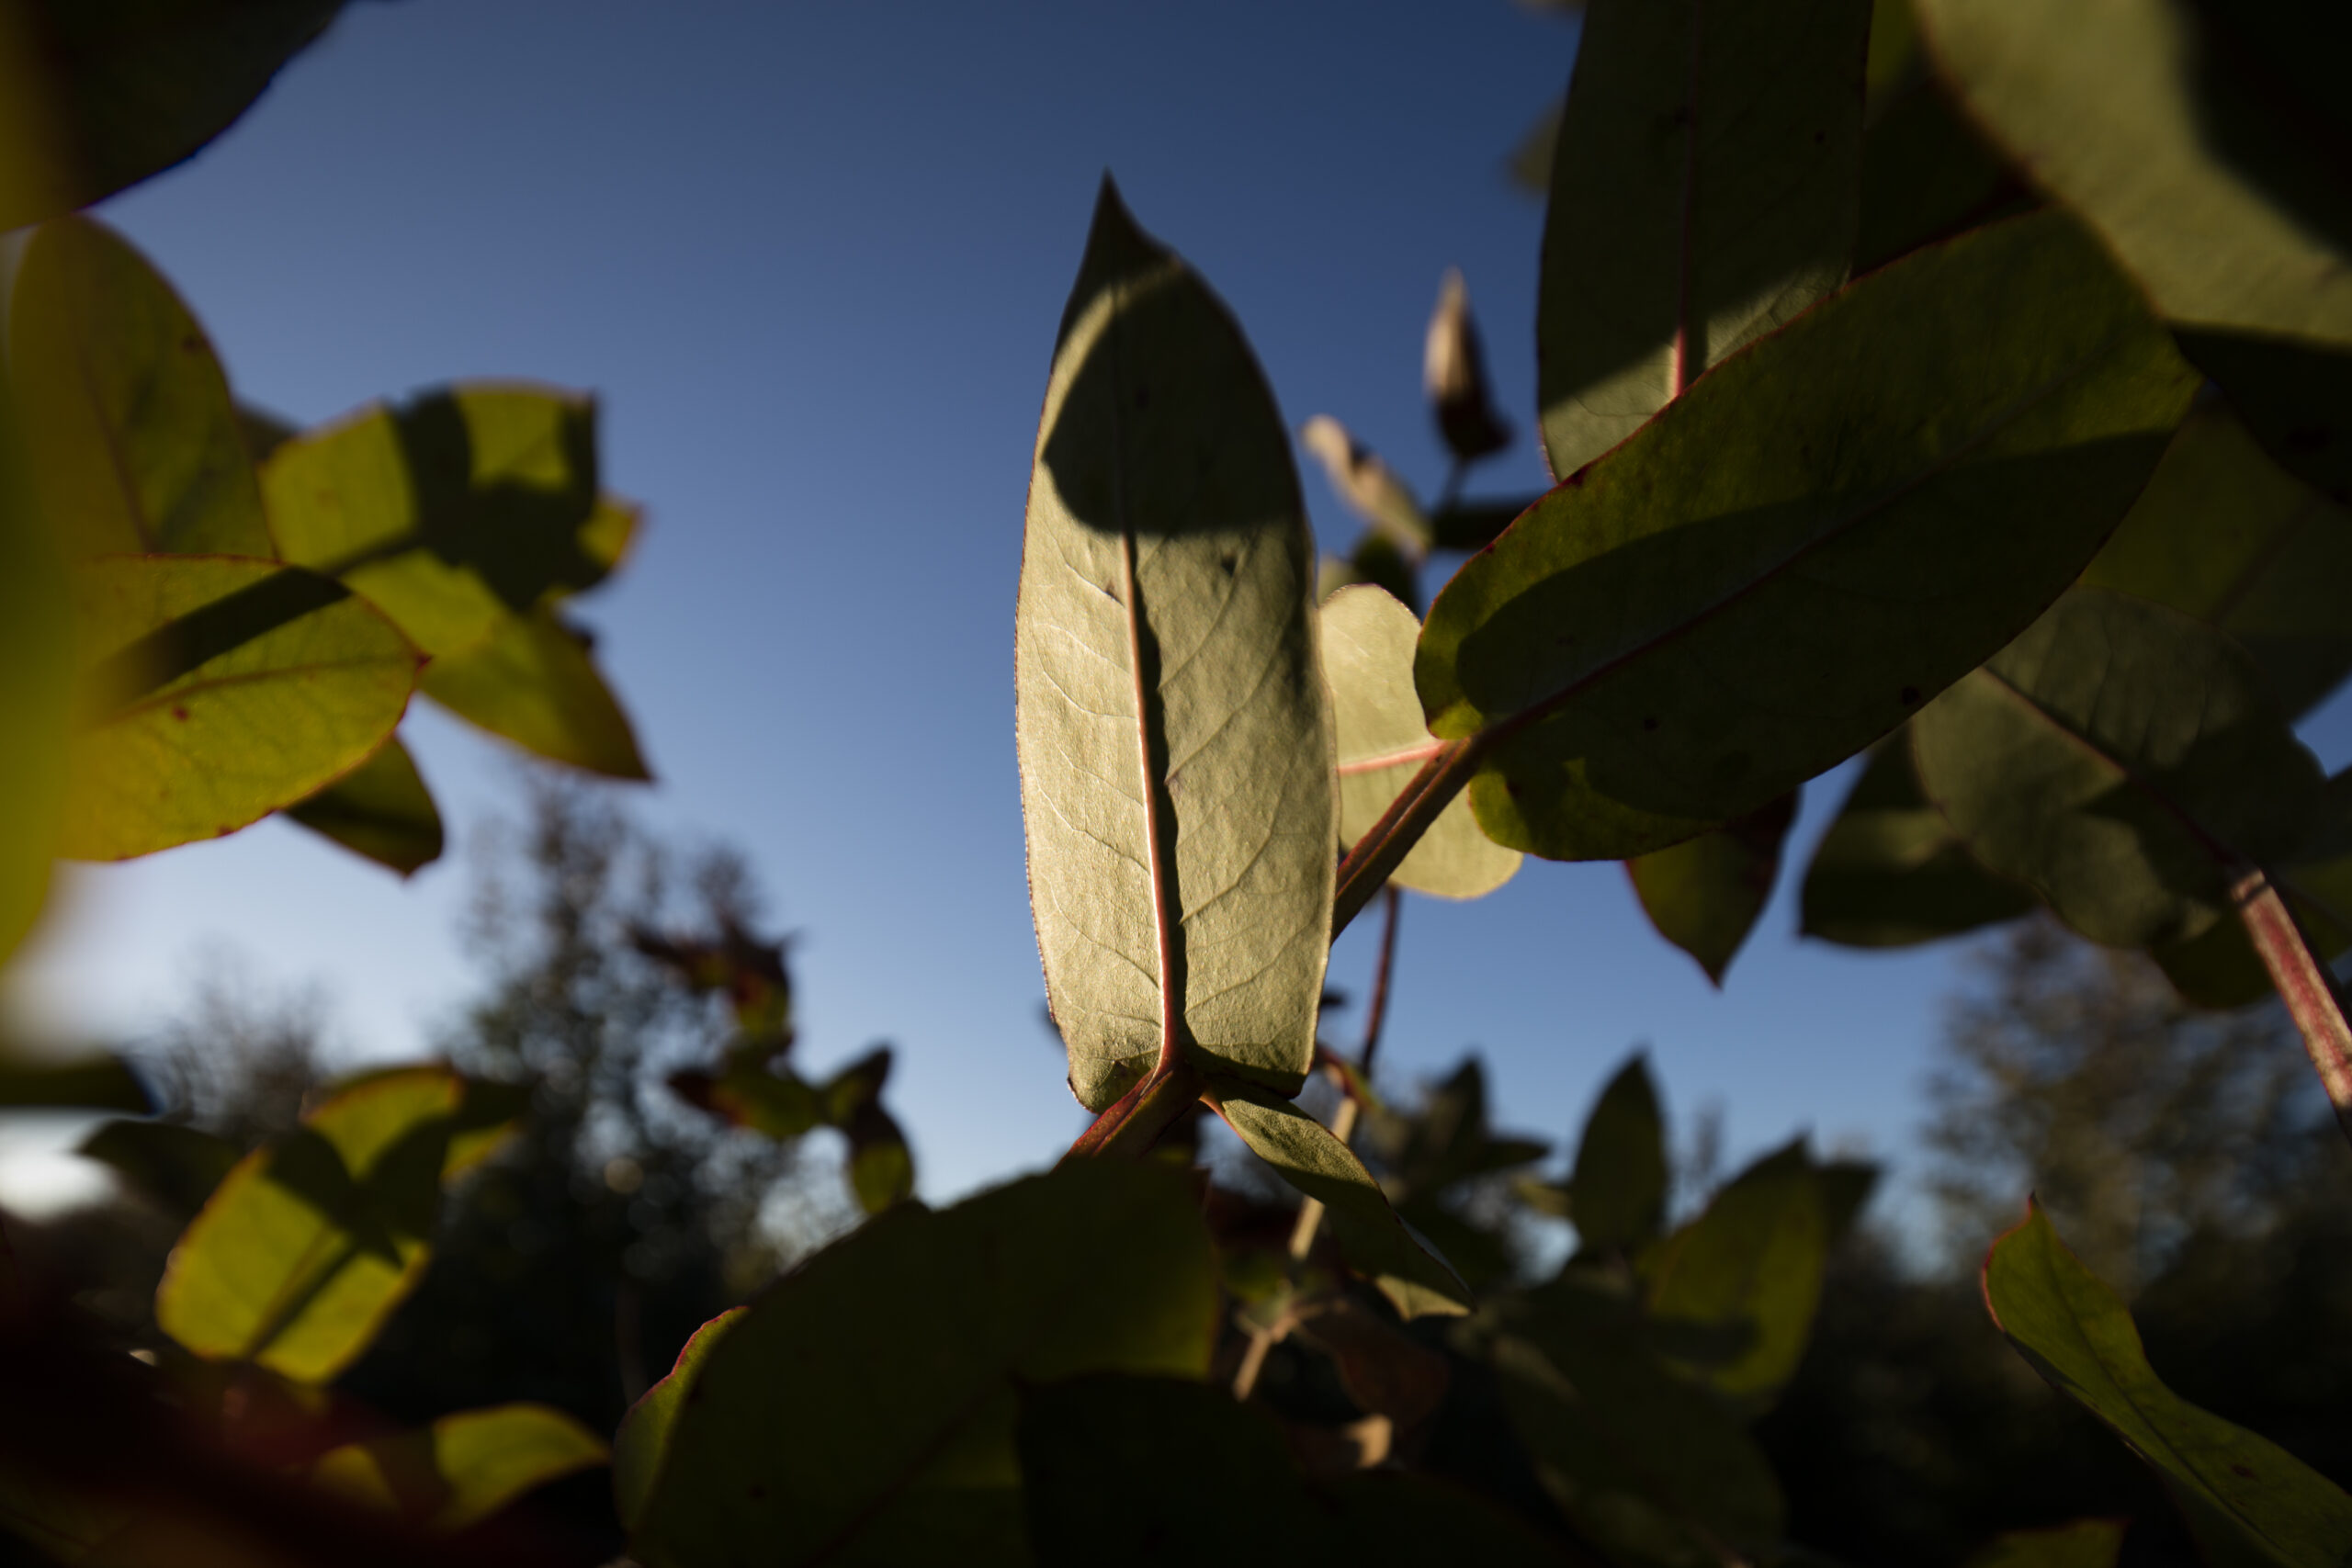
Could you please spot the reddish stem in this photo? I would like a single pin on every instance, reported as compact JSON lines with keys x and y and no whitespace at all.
{"x":2304,"y":984}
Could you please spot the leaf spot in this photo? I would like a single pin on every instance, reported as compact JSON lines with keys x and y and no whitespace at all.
{"x":2239,"y":1469}
{"x":179,"y":713}
{"x":1908,"y":695}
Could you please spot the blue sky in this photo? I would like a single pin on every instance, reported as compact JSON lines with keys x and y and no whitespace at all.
{"x":812,"y":258}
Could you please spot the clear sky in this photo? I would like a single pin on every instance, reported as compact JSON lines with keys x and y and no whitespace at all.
{"x":812,"y":257}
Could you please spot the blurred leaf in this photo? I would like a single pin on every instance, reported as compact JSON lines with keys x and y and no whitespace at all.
{"x":1704,"y":893}
{"x":1119,"y":1469}
{"x":1701,"y":196}
{"x":2219,"y":968}
{"x":1475,"y":525}
{"x":1928,"y":174}
{"x":2086,"y":1544}
{"x":881,"y":1169}
{"x":454,"y":514}
{"x":1384,"y":1370}
{"x":1453,"y":377}
{"x":2204,"y":145}
{"x":101,"y":1083}
{"x":1618,"y":1191}
{"x":218,"y":690}
{"x":534,"y":683}
{"x":769,"y":1100}
{"x":127,"y":413}
{"x":1371,"y":1237}
{"x":489,"y":1115}
{"x":464,"y":1467}
{"x":63,"y":1523}
{"x":903,"y":1347}
{"x":643,"y":1441}
{"x":173,"y":1167}
{"x":2223,"y":533}
{"x":1369,"y":487}
{"x":1895,"y":59}
{"x":750,"y":972}
{"x":308,"y":1244}
{"x":2120,"y":756}
{"x":36,"y":689}
{"x":1892,"y":873}
{"x":1368,"y":640}
{"x":1175,"y":742}
{"x":2248,"y":1500}
{"x":1971,"y":421}
{"x":1431,"y":1160}
{"x":1531,"y":161}
{"x":124,"y":89}
{"x":381,"y":810}
{"x":264,"y":431}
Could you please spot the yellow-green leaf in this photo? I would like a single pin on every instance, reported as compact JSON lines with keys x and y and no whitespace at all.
{"x":36,"y":689}
{"x":2086,"y":1544}
{"x":534,"y":683}
{"x":216,"y":690}
{"x":381,"y":810}
{"x":1704,"y":893}
{"x":461,"y":1469}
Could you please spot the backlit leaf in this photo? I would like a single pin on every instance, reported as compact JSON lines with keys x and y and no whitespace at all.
{"x":100,"y":1083}
{"x":1891,"y":872}
{"x":2086,"y":1544}
{"x":35,"y":688}
{"x":1703,"y":895}
{"x":1618,"y":1191}
{"x":1704,"y":192}
{"x":381,"y":810}
{"x":535,"y":684}
{"x":174,"y":1167}
{"x":2248,"y":1500}
{"x":1368,"y":640}
{"x":1926,"y":173}
{"x":902,"y":1347}
{"x":216,"y":690}
{"x":1859,"y":508}
{"x":643,"y":1441}
{"x":463,"y":1468}
{"x":1175,"y":743}
{"x":135,"y":442}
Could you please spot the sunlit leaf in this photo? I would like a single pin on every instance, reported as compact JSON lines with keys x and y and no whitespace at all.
{"x":1892,"y":873}
{"x":2248,"y":1500}
{"x":1704,"y":192}
{"x":174,"y":1167}
{"x":2086,"y":1544}
{"x":1859,"y":508}
{"x":643,"y":1441}
{"x":863,"y":1408}
{"x":310,"y":1243}
{"x":1704,"y":893}
{"x":1175,"y":744}
{"x":534,"y":683}
{"x":1374,"y":1242}
{"x":1369,"y":486}
{"x":122,"y":89}
{"x":2124,"y":761}
{"x":381,"y":810}
{"x":1618,"y":1189}
{"x":464,"y":1467}
{"x":216,"y":690}
{"x":1368,"y":640}
{"x":135,"y":442}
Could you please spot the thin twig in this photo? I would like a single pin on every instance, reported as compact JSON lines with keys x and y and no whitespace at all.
{"x":2304,"y":984}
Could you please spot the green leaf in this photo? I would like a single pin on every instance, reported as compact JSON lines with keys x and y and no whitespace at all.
{"x":1368,"y":640}
{"x":101,"y":1083}
{"x":461,"y":1469}
{"x":1704,"y":192}
{"x":2248,"y":1500}
{"x":455,"y":512}
{"x":306,"y":1246}
{"x":902,"y":1347}
{"x":643,"y":1444}
{"x":173,"y":1167}
{"x":1926,"y":173}
{"x":2223,"y":533}
{"x":1745,"y":583}
{"x":2124,"y":761}
{"x":2086,"y":1544}
{"x":1174,"y":739}
{"x":1475,"y":525}
{"x":770,"y":1100}
{"x":134,"y":86}
{"x":1703,"y":895}
{"x":1372,"y":1238}
{"x":36,"y":689}
{"x":534,"y":683}
{"x":135,"y":442}
{"x":216,"y":690}
{"x":1117,"y":1471}
{"x":1620,"y":1180}
{"x":1892,"y":873}
{"x":881,"y":1168}
{"x":381,"y":810}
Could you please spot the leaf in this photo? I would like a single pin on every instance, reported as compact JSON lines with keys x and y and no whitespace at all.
{"x":1745,"y":585}
{"x":1704,"y":192}
{"x":134,"y":86}
{"x":103,"y":1082}
{"x":903,"y":1346}
{"x":1368,"y":641}
{"x":1369,"y":487}
{"x":463,"y":1468}
{"x":1620,"y":1180}
{"x":1892,"y":873}
{"x":218,"y":690}
{"x":2123,"y":759}
{"x":2246,"y":1500}
{"x":381,"y":810}
{"x":36,"y":689}
{"x":2223,"y":533}
{"x":1117,"y":1469}
{"x":1475,"y":525}
{"x":1372,"y":1238}
{"x":1453,"y":377}
{"x":308,"y":1244}
{"x":642,"y":1443}
{"x":174,"y":1167}
{"x":1926,"y":173}
{"x":1703,"y":895}
{"x":881,"y":1169}
{"x":455,"y":512}
{"x":534,"y":683}
{"x":1175,"y":744}
{"x":135,"y":441}
{"x":2086,"y":1544}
